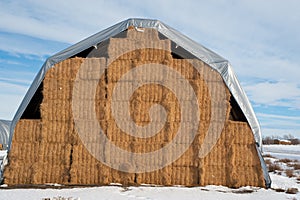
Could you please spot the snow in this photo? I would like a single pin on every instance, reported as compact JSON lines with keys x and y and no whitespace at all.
{"x":3,"y":154}
{"x":283,"y":151}
{"x":282,"y":182}
{"x":116,"y":192}
{"x":174,"y":193}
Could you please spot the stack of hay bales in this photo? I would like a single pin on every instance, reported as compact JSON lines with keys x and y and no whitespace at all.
{"x":24,"y":152}
{"x":55,"y":153}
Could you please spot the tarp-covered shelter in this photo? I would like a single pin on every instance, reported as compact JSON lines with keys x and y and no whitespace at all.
{"x":4,"y":132}
{"x":173,"y":48}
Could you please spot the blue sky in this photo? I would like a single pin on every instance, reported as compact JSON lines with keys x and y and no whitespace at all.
{"x":259,"y":38}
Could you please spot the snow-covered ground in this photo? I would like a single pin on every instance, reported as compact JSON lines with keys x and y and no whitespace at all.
{"x":283,"y":151}
{"x":147,"y":192}
{"x":174,"y":193}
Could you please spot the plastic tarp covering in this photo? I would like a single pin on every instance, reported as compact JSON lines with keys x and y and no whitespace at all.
{"x":211,"y":58}
{"x":4,"y":132}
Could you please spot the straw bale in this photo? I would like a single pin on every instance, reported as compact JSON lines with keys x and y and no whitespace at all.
{"x":188,"y":176}
{"x":117,"y":68}
{"x":126,"y":49}
{"x":112,"y":155}
{"x":122,"y":177}
{"x":87,"y":110}
{"x":86,"y":173}
{"x":57,"y":131}
{"x":156,"y":52}
{"x":160,"y":137}
{"x":140,"y":111}
{"x":201,"y":90}
{"x":246,"y":175}
{"x":149,"y":93}
{"x":54,"y":88}
{"x":92,"y":69}
{"x":146,"y":147}
{"x":146,"y":34}
{"x":86,"y":169}
{"x":124,"y":87}
{"x":16,"y":154}
{"x":56,"y":110}
{"x":240,"y":132}
{"x":54,"y":153}
{"x":89,"y":174}
{"x":82,"y":90}
{"x":206,"y":72}
{"x":18,"y":175}
{"x":185,"y":69}
{"x":83,"y":175}
{"x":27,"y":131}
{"x":80,"y":154}
{"x":218,"y":92}
{"x":50,"y":173}
{"x":101,"y":109}
{"x":66,"y":69}
{"x":159,"y":177}
{"x":85,"y":129}
{"x":115,"y":134}
{"x":189,"y":158}
{"x":243,"y":155}
{"x":201,"y":132}
{"x":214,"y":175}
{"x":218,"y":156}
{"x":210,"y":131}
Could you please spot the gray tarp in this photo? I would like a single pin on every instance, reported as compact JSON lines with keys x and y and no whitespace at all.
{"x":212,"y":59}
{"x":4,"y":132}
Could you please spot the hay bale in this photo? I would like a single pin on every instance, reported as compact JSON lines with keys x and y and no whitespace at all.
{"x":27,"y":131}
{"x":65,"y":70}
{"x":214,"y":175}
{"x":47,"y":173}
{"x":188,"y":176}
{"x":58,"y":131}
{"x":56,"y":150}
{"x":18,"y":174}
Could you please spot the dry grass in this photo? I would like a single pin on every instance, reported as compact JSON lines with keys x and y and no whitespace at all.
{"x":274,"y":167}
{"x":243,"y":191}
{"x":292,"y":191}
{"x":279,"y":190}
{"x":296,"y":166}
{"x":285,"y":160}
{"x":289,"y":173}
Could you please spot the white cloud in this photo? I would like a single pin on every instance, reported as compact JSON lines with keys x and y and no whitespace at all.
{"x":274,"y":93}
{"x":9,"y":105}
{"x":22,"y":46}
{"x":280,"y":132}
{"x":12,"y":88}
{"x":64,"y":21}
{"x":282,"y":117}
{"x":16,"y":81}
{"x":279,"y":125}
{"x":11,"y":96}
